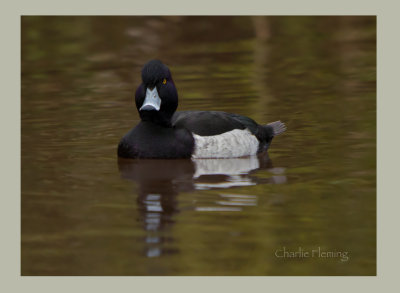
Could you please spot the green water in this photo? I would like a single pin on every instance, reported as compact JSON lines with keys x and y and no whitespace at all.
{"x":84,"y":212}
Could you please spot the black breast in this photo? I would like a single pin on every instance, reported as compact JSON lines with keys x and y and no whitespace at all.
{"x":148,"y":140}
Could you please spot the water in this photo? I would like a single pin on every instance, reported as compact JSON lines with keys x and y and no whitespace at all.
{"x":84,"y":212}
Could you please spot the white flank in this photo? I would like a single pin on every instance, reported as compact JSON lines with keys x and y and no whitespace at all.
{"x":231,"y":144}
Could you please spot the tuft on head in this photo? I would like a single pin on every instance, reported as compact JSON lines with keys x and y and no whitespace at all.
{"x":153,"y":72}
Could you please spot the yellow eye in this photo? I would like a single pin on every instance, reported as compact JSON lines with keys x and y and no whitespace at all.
{"x":164,"y":81}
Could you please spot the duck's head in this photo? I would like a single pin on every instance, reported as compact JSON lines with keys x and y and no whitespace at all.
{"x":156,"y":98}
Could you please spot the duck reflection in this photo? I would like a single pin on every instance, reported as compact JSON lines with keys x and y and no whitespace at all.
{"x":160,"y":181}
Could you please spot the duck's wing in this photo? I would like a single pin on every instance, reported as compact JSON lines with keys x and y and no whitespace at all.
{"x":207,"y":123}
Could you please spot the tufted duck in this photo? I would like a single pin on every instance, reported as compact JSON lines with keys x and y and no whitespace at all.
{"x":164,"y":133}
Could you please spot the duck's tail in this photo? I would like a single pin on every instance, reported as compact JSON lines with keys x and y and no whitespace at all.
{"x":278,"y":127}
{"x":268,"y":132}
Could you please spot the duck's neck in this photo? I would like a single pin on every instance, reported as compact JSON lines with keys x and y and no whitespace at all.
{"x":156,"y":118}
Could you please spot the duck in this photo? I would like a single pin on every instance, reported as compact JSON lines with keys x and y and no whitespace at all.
{"x":164,"y":133}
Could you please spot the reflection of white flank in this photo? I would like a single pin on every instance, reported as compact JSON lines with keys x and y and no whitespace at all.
{"x":238,"y":200}
{"x":232,"y":166}
{"x":234,"y":203}
{"x":232,"y":181}
{"x":205,"y":186}
{"x":217,"y":209}
{"x":239,"y":196}
{"x":231,"y":203}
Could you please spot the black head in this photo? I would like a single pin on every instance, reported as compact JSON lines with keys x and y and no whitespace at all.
{"x":156,"y":98}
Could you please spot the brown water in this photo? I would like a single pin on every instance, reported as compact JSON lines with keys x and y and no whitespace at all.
{"x":84,"y":212}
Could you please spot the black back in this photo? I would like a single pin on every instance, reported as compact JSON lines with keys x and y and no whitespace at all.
{"x":206,"y":123}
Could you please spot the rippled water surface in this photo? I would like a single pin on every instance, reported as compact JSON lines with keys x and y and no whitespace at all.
{"x":84,"y":212}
